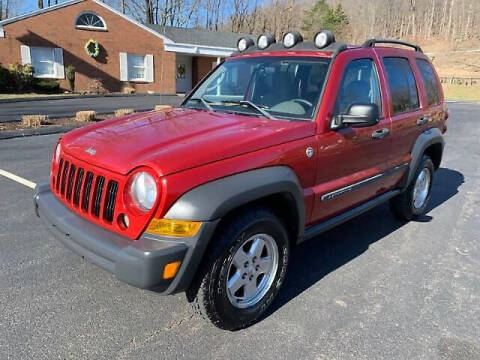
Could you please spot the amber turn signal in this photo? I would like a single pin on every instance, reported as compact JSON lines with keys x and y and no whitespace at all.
{"x":177,"y":228}
{"x":170,"y":270}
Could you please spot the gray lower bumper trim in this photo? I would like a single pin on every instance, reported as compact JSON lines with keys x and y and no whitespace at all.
{"x":139,"y":263}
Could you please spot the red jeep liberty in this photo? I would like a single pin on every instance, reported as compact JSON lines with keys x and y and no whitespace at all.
{"x":279,"y":143}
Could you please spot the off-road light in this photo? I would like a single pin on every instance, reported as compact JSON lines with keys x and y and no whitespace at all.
{"x":291,"y":39}
{"x":323,"y":38}
{"x":244,"y":43}
{"x":265,"y":41}
{"x":143,"y":190}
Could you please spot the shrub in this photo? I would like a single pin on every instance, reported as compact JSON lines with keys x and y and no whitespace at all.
{"x":85,"y":116}
{"x":5,"y":80}
{"x":34,"y":120}
{"x":128,"y":90}
{"x":70,"y":71}
{"x":162,"y":107}
{"x":22,"y":77}
{"x":123,"y":112}
{"x":46,"y":86}
{"x":95,"y":86}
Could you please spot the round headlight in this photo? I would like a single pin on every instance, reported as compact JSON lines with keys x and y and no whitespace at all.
{"x":244,"y":43}
{"x":143,"y":190}
{"x":292,"y":38}
{"x":58,"y":149}
{"x":323,"y":38}
{"x":265,"y":41}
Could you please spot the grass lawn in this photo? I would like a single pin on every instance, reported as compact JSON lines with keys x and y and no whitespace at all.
{"x":31,"y":95}
{"x":461,"y":92}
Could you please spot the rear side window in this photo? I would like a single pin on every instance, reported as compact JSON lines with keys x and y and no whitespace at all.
{"x":430,"y":81}
{"x":402,"y":84}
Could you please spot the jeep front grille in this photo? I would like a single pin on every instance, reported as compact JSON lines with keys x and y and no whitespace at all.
{"x":87,"y":191}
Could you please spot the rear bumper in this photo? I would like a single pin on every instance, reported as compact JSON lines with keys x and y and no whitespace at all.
{"x":137,"y":262}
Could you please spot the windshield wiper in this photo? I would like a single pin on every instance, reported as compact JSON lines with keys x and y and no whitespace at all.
{"x":252,"y":105}
{"x":204,"y":102}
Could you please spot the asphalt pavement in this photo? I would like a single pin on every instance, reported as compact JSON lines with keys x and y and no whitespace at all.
{"x":373,"y":288}
{"x":66,"y":107}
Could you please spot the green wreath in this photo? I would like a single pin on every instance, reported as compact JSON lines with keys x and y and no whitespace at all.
{"x":92,"y":48}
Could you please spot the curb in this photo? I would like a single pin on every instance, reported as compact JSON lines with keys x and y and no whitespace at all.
{"x":51,"y":129}
{"x":43,"y":98}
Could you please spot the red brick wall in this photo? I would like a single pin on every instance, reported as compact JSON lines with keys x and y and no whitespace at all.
{"x":56,"y":29}
{"x":201,"y":67}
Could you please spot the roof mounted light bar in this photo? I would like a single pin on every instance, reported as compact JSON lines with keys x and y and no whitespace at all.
{"x":372,"y":42}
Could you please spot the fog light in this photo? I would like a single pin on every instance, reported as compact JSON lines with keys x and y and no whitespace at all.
{"x":123,"y":221}
{"x":170,"y":270}
{"x":177,"y":228}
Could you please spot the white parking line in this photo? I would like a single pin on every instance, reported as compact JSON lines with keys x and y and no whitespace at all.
{"x":17,"y":179}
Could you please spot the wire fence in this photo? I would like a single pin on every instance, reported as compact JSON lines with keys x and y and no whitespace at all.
{"x":470,"y":81}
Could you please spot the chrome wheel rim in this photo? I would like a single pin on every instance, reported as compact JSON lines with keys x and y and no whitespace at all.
{"x":421,"y":188}
{"x":252,"y":270}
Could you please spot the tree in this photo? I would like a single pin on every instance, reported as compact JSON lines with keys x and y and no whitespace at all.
{"x":323,"y":17}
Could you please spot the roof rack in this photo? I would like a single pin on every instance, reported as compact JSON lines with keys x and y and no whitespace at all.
{"x":372,"y":42}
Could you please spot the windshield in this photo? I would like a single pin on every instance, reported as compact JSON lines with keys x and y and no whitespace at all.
{"x":273,"y":87}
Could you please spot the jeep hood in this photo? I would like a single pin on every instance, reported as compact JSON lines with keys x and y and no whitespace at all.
{"x":177,"y":139}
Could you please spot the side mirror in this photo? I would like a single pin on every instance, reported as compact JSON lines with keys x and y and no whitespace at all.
{"x":358,"y":115}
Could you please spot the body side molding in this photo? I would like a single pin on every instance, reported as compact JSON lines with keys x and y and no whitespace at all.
{"x":215,"y":199}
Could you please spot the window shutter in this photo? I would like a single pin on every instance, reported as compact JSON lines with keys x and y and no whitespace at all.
{"x":59,"y":69}
{"x":2,"y":32}
{"x":149,"y":68}
{"x":123,"y":67}
{"x":26,"y":59}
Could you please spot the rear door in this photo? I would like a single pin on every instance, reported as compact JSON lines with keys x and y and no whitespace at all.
{"x":406,"y":109}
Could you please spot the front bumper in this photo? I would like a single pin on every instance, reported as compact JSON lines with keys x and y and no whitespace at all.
{"x":137,"y":262}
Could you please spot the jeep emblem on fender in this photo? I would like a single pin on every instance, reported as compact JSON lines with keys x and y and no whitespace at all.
{"x":309,"y":152}
{"x":91,"y":151}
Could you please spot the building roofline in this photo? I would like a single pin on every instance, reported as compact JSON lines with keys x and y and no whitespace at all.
{"x":39,"y":12}
{"x":73,"y":2}
{"x":175,"y":47}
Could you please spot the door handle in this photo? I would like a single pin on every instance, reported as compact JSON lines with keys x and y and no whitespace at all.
{"x":422,"y":121}
{"x":380,"y":133}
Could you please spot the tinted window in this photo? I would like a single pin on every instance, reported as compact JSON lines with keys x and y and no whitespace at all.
{"x":402,"y":84}
{"x":430,"y":81}
{"x":359,"y":86}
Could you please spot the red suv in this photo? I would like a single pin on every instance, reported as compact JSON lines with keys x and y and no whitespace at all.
{"x":278,"y":144}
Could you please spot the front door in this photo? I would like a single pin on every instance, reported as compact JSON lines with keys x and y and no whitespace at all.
{"x":183,"y":73}
{"x":352,"y":160}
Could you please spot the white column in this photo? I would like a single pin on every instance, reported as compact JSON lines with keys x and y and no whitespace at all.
{"x":218,"y":59}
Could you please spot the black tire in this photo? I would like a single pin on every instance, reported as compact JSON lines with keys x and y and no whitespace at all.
{"x":402,"y":205}
{"x":208,"y":292}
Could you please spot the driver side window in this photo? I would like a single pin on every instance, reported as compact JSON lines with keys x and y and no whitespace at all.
{"x":359,"y":86}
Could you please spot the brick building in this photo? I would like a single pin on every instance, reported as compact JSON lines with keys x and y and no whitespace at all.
{"x":130,"y":54}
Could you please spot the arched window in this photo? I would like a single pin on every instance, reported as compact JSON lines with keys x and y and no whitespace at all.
{"x":90,"y":21}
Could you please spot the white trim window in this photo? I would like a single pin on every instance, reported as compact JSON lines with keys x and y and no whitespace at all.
{"x":90,"y":21}
{"x":47,"y":62}
{"x":136,"y":67}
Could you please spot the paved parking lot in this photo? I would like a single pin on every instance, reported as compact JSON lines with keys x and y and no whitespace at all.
{"x":374,"y":288}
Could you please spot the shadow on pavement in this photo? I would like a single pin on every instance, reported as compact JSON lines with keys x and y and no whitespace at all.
{"x":316,"y":258}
